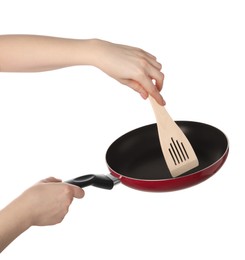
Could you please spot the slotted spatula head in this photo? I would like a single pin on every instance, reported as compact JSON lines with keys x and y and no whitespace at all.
{"x":177,"y":150}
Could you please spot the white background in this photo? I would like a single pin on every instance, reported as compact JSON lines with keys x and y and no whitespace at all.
{"x":61,"y":123}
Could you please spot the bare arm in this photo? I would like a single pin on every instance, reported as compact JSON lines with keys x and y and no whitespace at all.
{"x":33,"y":53}
{"x":45,"y":203}
{"x":130,"y":66}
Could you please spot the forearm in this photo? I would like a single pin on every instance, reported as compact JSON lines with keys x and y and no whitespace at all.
{"x":13,"y":222}
{"x":129,"y":65}
{"x":45,"y":203}
{"x":29,"y":53}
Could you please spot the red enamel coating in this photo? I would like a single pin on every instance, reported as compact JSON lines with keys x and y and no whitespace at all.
{"x":172,"y":184}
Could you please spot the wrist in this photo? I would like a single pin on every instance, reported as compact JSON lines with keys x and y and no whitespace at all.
{"x":13,"y":222}
{"x":19,"y":213}
{"x":90,"y":52}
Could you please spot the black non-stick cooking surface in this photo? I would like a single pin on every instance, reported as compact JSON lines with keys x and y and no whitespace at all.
{"x":138,"y":155}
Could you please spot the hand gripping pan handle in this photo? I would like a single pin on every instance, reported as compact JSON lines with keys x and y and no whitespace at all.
{"x":99,"y":181}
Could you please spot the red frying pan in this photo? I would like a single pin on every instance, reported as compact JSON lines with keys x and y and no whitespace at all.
{"x":136,"y":160}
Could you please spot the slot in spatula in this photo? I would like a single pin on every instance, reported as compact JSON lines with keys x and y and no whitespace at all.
{"x":177,"y":150}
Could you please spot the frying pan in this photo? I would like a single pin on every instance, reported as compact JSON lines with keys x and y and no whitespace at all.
{"x":136,"y":160}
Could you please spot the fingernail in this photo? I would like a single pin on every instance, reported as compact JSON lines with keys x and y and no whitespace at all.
{"x":164,"y":102}
{"x":161,"y":101}
{"x":144,"y":95}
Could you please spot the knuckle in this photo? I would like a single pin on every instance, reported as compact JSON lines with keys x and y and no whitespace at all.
{"x":153,"y":91}
{"x":144,"y":63}
{"x":67,"y":190}
{"x":68,"y":193}
{"x":161,"y":76}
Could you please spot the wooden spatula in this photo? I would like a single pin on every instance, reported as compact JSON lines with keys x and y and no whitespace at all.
{"x":177,"y":150}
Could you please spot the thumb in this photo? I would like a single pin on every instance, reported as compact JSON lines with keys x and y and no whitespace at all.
{"x":77,"y":192}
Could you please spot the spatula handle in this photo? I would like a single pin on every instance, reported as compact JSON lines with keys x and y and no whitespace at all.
{"x":162,"y":117}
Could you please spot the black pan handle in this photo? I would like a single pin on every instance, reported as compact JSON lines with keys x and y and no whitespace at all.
{"x":100,"y":181}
